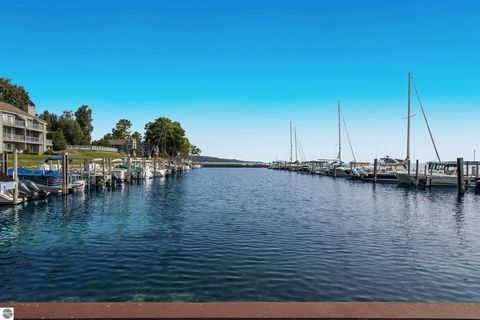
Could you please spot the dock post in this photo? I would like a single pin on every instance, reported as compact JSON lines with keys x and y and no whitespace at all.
{"x":409,"y":170}
{"x":466,"y":174}
{"x":109,"y":172}
{"x":129,"y":170}
{"x":431,"y":175}
{"x":476,"y":170}
{"x":375,"y":162}
{"x":104,"y":172}
{"x":15,"y":174}
{"x":65,"y":173}
{"x":461,"y":187}
{"x":416,"y":173}
{"x":5,"y":162}
{"x":88,"y":173}
{"x":154,"y":166}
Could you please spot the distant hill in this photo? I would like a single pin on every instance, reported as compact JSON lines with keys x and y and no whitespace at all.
{"x":215,"y":159}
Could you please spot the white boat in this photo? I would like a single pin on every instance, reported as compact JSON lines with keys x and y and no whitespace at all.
{"x":437,"y":174}
{"x":338,"y":168}
{"x":6,"y":193}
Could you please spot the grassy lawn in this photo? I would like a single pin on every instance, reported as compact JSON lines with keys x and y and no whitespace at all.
{"x":33,"y":160}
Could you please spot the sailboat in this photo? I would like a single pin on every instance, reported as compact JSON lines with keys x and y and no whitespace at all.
{"x":439,"y":173}
{"x":337,"y":168}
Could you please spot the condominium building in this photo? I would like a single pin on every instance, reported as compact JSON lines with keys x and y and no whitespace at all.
{"x":22,"y":130}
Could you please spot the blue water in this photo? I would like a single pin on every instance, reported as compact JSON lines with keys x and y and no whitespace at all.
{"x":244,"y":235}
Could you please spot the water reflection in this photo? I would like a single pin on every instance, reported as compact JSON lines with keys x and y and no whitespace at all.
{"x":236,"y":234}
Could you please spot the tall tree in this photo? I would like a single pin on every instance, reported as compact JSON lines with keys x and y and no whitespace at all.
{"x":71,"y":129}
{"x":58,"y":140}
{"x":167,"y":136}
{"x":194,"y":150}
{"x":51,"y":119}
{"x":122,"y":129}
{"x":83,"y":116}
{"x":137,"y":136}
{"x":13,"y":94}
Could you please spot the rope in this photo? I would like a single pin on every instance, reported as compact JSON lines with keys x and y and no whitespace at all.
{"x":426,"y":121}
{"x":302,"y":154}
{"x":348,"y":136}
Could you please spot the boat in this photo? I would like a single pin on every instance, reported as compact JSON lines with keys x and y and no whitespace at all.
{"x":386,"y":171}
{"x":436,"y":174}
{"x":119,"y":170}
{"x":7,"y":188}
{"x":337,"y":168}
{"x":440,"y":173}
{"x":47,"y":179}
{"x":31,"y":191}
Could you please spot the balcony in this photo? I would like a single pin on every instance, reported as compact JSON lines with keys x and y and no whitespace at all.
{"x":35,"y":126}
{"x":33,"y":139}
{"x":13,"y":137}
{"x":22,"y":138}
{"x":14,"y":123}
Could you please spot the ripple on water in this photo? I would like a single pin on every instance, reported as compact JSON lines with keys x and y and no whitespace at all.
{"x":244,"y":235}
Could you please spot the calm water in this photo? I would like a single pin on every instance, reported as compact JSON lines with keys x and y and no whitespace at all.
{"x":244,"y":234}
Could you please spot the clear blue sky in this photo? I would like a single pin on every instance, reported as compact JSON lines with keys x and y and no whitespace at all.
{"x":235,"y":72}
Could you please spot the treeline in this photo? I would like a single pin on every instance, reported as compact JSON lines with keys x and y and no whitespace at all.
{"x":120,"y":131}
{"x":69,"y":127}
{"x":162,"y":137}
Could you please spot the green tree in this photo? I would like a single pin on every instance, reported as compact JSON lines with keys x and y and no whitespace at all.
{"x":168,"y":137}
{"x":71,"y":129}
{"x":13,"y":94}
{"x":83,"y":116}
{"x":194,"y":150}
{"x":58,"y":140}
{"x":104,"y":142}
{"x":51,"y":119}
{"x":122,"y":129}
{"x":137,"y":136}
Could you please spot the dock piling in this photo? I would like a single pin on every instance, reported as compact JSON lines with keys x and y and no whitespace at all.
{"x":104,"y":173}
{"x":461,"y":186}
{"x":5,"y":162}
{"x":375,"y":162}
{"x":65,"y":173}
{"x":15,"y":175}
{"x":416,"y":173}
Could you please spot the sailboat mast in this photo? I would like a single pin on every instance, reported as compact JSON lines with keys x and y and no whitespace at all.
{"x":339,"y":134}
{"x":291,"y":143}
{"x":408,"y":119}
{"x":296,"y":147}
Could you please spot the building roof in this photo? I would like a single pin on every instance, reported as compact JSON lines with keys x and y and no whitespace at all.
{"x":11,"y":109}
